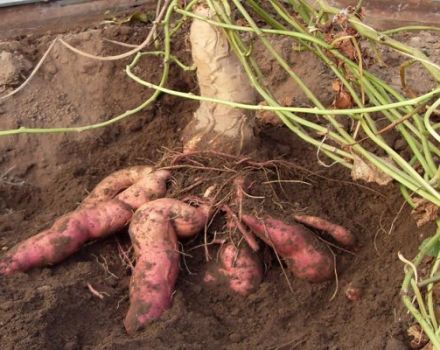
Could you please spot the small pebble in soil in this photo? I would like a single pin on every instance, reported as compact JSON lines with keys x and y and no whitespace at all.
{"x":71,"y":345}
{"x":235,"y":338}
{"x":235,"y":311}
{"x":353,"y":292}
{"x":44,"y":289}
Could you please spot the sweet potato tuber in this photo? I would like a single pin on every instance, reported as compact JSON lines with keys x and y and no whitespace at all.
{"x":240,"y":268}
{"x":306,"y":256}
{"x":115,"y":183}
{"x":147,"y":188}
{"x":339,"y":233}
{"x":154,"y":230}
{"x":72,"y":230}
{"x":155,"y":273}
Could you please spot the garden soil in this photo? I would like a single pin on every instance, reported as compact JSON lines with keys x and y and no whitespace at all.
{"x":45,"y":176}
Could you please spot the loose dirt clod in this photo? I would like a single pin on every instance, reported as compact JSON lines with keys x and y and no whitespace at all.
{"x":353,"y":292}
{"x":367,"y":172}
{"x":424,"y":211}
{"x":12,"y":68}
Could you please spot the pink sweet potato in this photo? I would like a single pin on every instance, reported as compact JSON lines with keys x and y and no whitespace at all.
{"x":115,"y":183}
{"x":155,"y":273}
{"x":72,"y":230}
{"x":149,"y":187}
{"x":66,"y":236}
{"x":239,"y":268}
{"x":339,"y":233}
{"x":306,"y":256}
{"x":154,"y":230}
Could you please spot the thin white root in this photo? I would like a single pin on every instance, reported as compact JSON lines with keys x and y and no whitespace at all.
{"x":95,"y":292}
{"x":318,"y":151}
{"x":120,"y":43}
{"x":209,"y":191}
{"x":410,"y":264}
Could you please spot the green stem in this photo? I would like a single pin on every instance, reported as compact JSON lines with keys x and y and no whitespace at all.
{"x":359,"y":6}
{"x":421,"y":321}
{"x":406,"y":196}
{"x":419,"y":299}
{"x":171,"y":57}
{"x":420,"y":134}
{"x":410,"y":28}
{"x":405,"y":292}
{"x":430,"y":300}
{"x":179,"y":23}
{"x":428,"y":114}
{"x":430,"y":280}
{"x":263,"y":14}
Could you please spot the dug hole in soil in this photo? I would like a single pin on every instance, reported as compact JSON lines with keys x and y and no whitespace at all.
{"x":45,"y":176}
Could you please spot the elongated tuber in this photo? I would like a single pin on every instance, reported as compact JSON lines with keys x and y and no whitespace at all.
{"x":154,"y":231}
{"x":339,"y":233}
{"x":306,"y":256}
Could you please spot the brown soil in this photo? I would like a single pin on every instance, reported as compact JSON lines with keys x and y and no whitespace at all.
{"x":42,"y":177}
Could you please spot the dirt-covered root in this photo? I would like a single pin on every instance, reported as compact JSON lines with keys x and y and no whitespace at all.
{"x":155,"y":273}
{"x":154,"y":231}
{"x":220,"y":75}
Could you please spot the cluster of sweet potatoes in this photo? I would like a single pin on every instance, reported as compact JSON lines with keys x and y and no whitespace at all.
{"x":306,"y":256}
{"x":134,"y":197}
{"x":107,"y":209}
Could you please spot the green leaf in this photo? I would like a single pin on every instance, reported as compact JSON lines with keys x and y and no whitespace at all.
{"x":434,"y":250}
